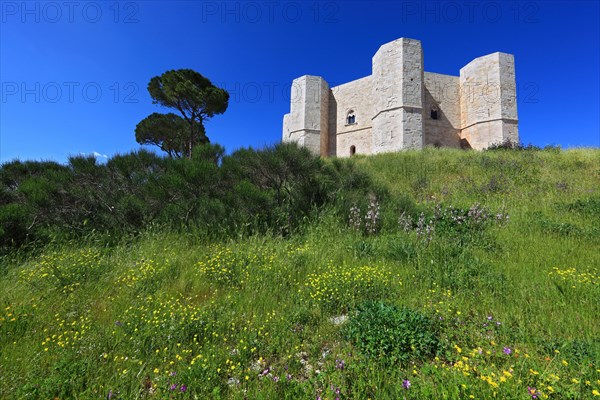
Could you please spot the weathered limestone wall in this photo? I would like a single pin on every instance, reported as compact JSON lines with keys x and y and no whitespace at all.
{"x":352,"y":96}
{"x":442,"y":92}
{"x":309,"y":115}
{"x":488,"y":100}
{"x":398,"y":93}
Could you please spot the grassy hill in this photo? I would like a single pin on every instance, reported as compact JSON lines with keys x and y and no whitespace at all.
{"x":464,"y":275}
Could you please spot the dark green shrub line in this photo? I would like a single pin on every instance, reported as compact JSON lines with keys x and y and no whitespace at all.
{"x":274,"y":189}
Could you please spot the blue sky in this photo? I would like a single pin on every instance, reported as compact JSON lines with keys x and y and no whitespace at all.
{"x":74,"y":74}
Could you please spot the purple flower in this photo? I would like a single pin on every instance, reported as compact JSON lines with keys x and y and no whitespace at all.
{"x":173,"y":373}
{"x":289,"y":377}
{"x":406,"y":384}
{"x":507,"y":351}
{"x":173,"y":386}
{"x":183,"y":388}
{"x":340,"y":364}
{"x":275,"y":379}
{"x":489,"y":317}
{"x":110,"y":394}
{"x":266,"y":371}
{"x":532,"y":392}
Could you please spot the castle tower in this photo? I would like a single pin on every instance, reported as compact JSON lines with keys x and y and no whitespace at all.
{"x":307,"y":122}
{"x":488,"y":101}
{"x":398,"y":96}
{"x":400,"y":106}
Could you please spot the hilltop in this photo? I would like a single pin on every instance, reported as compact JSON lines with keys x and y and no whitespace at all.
{"x":423,"y":274}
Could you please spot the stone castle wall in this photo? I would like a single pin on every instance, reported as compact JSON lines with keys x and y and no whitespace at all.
{"x":400,"y":106}
{"x":343,"y":99}
{"x":442,"y":94}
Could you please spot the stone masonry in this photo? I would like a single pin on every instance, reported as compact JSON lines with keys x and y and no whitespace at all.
{"x":400,"y":106}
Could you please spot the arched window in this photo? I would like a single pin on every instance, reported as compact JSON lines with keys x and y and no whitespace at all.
{"x":434,"y":113}
{"x":350,"y":118}
{"x":352,"y":150}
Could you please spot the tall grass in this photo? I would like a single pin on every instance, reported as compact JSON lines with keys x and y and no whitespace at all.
{"x":512,"y":304}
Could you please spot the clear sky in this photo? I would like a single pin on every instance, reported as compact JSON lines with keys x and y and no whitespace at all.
{"x":74,"y":73}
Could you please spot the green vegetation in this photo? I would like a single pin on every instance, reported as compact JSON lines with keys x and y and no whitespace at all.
{"x":274,"y":274}
{"x":195,"y":98}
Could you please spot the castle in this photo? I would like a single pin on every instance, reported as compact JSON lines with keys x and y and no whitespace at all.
{"x":400,"y":106}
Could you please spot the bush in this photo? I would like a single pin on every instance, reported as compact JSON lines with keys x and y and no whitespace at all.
{"x":392,"y":335}
{"x":13,"y":224}
{"x":277,"y":188}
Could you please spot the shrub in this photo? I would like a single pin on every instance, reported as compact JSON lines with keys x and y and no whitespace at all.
{"x":392,"y":335}
{"x":512,"y":145}
{"x":13,"y":224}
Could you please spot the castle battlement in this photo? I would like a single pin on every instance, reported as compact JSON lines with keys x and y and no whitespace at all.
{"x":400,"y":106}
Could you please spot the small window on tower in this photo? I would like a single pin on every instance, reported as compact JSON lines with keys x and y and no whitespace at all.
{"x":352,"y":150}
{"x":434,"y":113}
{"x":350,"y":118}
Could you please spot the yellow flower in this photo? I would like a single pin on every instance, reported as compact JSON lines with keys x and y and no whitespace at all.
{"x":595,"y":392}
{"x":564,"y":362}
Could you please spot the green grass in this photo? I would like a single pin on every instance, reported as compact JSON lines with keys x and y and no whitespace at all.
{"x":513,"y":306}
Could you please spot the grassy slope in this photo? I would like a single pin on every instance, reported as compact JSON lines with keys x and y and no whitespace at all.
{"x":167,"y":310}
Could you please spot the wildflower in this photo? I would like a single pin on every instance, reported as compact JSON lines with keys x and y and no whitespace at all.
{"x":595,"y":392}
{"x":532,"y":392}
{"x":276,"y":379}
{"x":183,"y":388}
{"x":507,"y":351}
{"x":173,"y":386}
{"x":406,"y":384}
